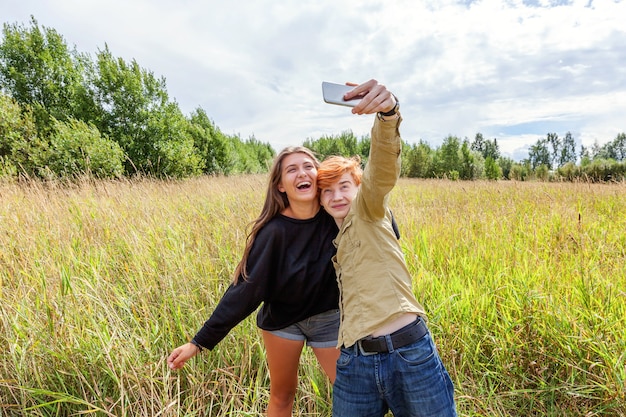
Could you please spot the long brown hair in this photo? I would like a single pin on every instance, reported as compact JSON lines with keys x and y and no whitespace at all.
{"x":275,"y":202}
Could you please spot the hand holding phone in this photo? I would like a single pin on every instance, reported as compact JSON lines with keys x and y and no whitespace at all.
{"x":333,"y":94}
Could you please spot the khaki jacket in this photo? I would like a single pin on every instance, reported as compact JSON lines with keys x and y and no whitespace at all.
{"x":374,"y":283}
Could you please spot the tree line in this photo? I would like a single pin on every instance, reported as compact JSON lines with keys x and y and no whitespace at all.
{"x":549,"y":159}
{"x":65,"y":114}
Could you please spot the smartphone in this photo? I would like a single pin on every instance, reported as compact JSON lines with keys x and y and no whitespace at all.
{"x":333,"y":94}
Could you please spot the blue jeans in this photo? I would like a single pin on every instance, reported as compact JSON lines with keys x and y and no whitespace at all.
{"x":411,"y":381}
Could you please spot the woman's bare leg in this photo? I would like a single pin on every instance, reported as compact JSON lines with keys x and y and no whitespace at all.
{"x":327,"y":357}
{"x":283,"y":358}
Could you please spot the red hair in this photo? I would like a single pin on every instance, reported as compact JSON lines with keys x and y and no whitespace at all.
{"x":332,"y":169}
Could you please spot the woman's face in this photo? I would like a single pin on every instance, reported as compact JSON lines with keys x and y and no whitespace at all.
{"x":298,"y":177}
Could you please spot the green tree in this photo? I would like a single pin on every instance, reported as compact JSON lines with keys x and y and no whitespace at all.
{"x":261,"y":152}
{"x":363,"y":147}
{"x":519,"y":172}
{"x":569,"y":171}
{"x":448,"y":157}
{"x":554,"y":142}
{"x":213,"y":146}
{"x":124,"y":102}
{"x":417,"y":160}
{"x":468,"y":169}
{"x":345,"y":144}
{"x":488,"y":150}
{"x":506,"y":164}
{"x":478,"y":144}
{"x":486,"y":147}
{"x":542,"y":172}
{"x":135,"y":111}
{"x":492,"y":149}
{"x":619,"y":147}
{"x":599,"y":170}
{"x":251,"y":156}
{"x":168,"y":145}
{"x":539,"y":154}
{"x":492,"y":169}
{"x":39,"y":70}
{"x":77,"y":148}
{"x":568,"y":150}
{"x":20,"y":146}
{"x":616,"y":149}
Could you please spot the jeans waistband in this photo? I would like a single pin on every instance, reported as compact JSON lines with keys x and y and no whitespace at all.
{"x":410,"y":333}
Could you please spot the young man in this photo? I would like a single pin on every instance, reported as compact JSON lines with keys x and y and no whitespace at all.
{"x":388,"y":360}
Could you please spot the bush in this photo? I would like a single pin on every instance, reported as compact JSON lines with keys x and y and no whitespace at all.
{"x":542,"y":172}
{"x":77,"y":148}
{"x":20,"y":147}
{"x":453,"y":175}
{"x":7,"y":168}
{"x":492,"y":169}
{"x":569,"y":171}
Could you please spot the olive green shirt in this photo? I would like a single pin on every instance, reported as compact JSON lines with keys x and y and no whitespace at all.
{"x":374,"y":283}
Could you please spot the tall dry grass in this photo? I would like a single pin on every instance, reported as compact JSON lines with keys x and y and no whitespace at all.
{"x":524,"y":284}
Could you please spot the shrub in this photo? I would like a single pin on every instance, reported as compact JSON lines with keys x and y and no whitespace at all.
{"x":77,"y":148}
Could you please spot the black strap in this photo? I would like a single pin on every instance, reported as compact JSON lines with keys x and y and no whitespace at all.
{"x":408,"y":334}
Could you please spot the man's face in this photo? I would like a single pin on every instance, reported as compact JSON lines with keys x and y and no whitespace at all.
{"x":337,"y":197}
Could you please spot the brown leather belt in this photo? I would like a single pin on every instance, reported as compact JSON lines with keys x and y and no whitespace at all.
{"x":408,"y":334}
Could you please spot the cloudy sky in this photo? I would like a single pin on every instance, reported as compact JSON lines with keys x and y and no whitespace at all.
{"x":513,"y":70}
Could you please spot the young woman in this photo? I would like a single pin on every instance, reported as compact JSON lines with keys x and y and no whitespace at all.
{"x":388,"y":359}
{"x":286,"y":267}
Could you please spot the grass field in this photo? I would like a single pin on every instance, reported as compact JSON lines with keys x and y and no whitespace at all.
{"x":524,"y":284}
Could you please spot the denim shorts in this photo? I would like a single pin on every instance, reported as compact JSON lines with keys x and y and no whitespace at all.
{"x":319,"y":331}
{"x":410,"y":381}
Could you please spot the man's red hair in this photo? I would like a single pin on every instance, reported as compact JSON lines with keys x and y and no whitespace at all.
{"x":332,"y":169}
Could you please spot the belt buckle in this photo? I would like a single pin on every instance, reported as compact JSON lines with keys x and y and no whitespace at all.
{"x":363,"y":351}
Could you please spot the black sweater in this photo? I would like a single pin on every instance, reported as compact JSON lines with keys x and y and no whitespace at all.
{"x":289,"y":270}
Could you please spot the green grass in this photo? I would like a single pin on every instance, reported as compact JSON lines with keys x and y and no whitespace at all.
{"x":524,"y":284}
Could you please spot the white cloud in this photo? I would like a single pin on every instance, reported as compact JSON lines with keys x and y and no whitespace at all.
{"x":514,"y":70}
